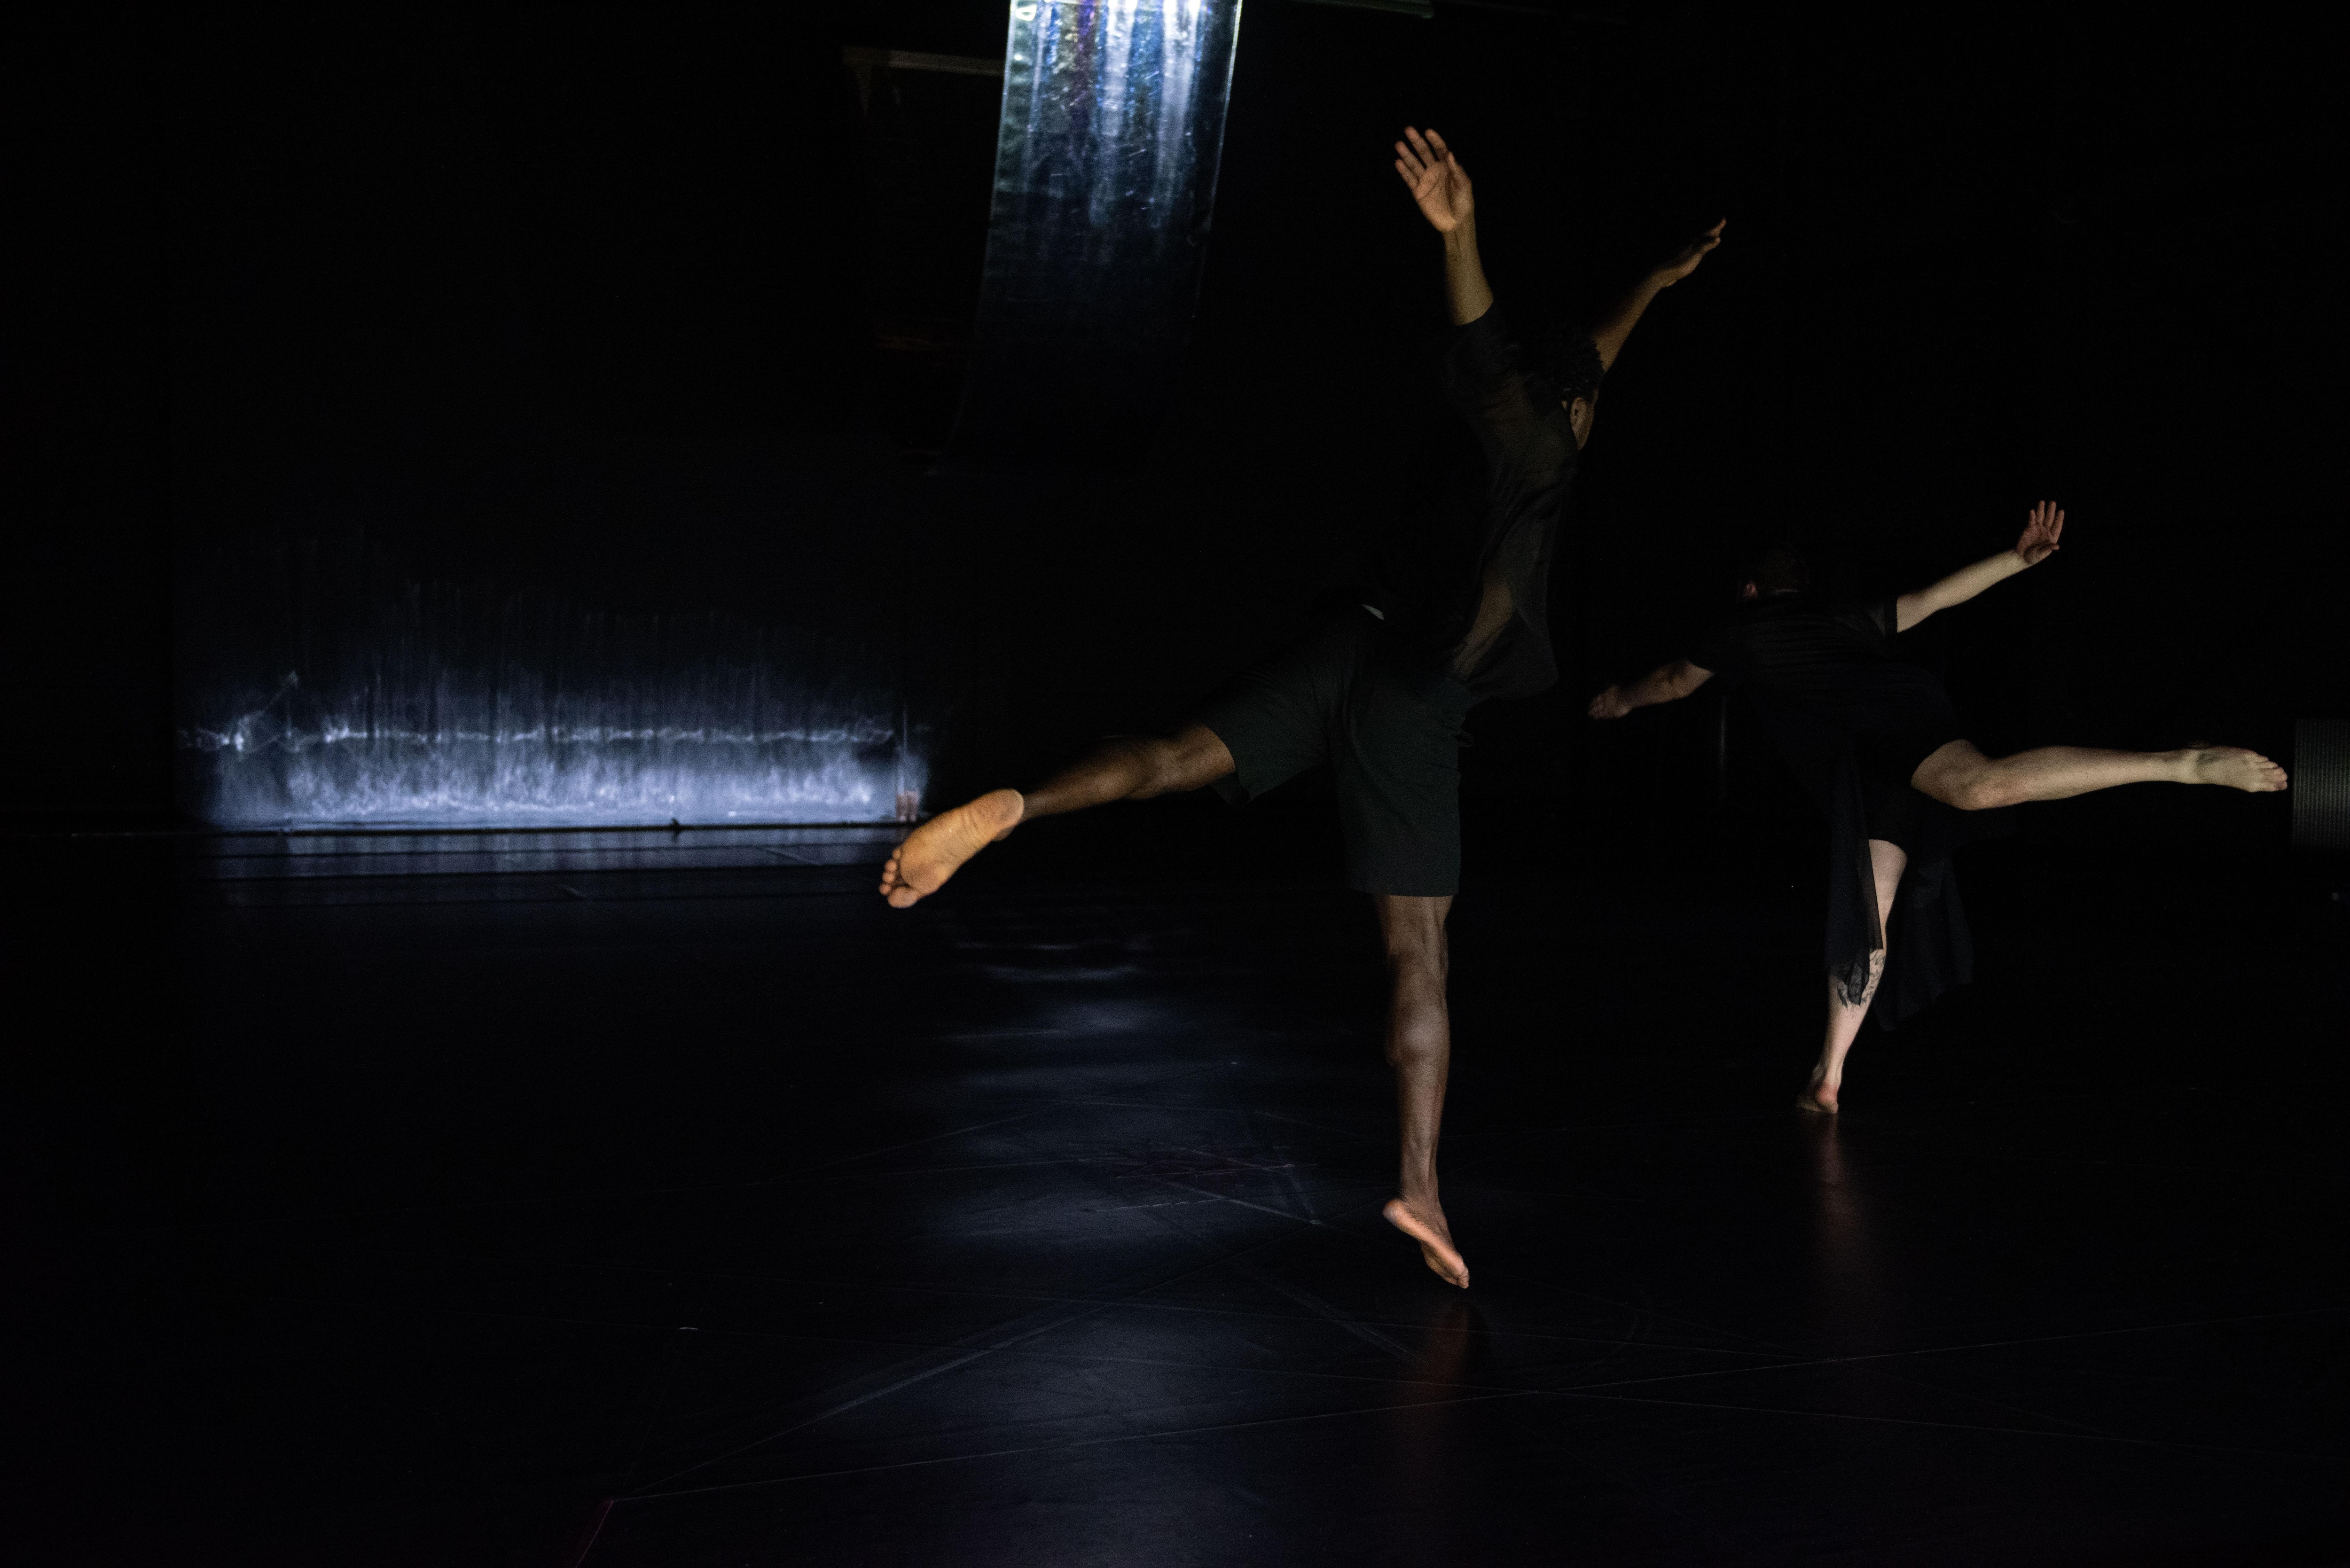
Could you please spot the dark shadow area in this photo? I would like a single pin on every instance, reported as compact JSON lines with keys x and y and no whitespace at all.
{"x":549,"y":316}
{"x":525,"y":1198}
{"x":420,"y":1221}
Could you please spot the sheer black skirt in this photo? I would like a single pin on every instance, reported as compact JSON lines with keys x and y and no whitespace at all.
{"x":1854,"y":754}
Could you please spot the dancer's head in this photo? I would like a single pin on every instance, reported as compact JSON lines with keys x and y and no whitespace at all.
{"x":1567,"y":355}
{"x":1773,"y":573}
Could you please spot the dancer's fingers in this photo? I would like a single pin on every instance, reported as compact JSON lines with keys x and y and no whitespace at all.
{"x":1438,"y":142}
{"x":1408,"y":158}
{"x":1418,"y":144}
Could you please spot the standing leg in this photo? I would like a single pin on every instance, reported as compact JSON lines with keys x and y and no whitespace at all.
{"x":1961,"y":776}
{"x":1419,"y":1048}
{"x":1122,"y":769}
{"x":1885,"y":862}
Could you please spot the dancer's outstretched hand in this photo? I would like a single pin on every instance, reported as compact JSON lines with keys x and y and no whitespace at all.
{"x":1609,"y":705}
{"x":2040,"y":534}
{"x":1684,"y":263}
{"x":1436,"y":181}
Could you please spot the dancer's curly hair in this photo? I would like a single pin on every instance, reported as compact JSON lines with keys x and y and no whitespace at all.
{"x":1570,"y":359}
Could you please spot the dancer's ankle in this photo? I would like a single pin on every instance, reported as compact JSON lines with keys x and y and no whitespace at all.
{"x":1419,"y":1197}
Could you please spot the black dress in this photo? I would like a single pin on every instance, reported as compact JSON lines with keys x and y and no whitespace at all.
{"x":1854,"y":721}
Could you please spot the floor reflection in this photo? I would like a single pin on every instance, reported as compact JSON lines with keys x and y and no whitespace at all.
{"x":1040,"y":1225}
{"x":1425,"y":1442}
{"x":1849,"y":1295}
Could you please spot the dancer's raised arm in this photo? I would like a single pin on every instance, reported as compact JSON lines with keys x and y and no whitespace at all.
{"x":2037,"y":542}
{"x":1441,"y":186}
{"x":1666,"y":684}
{"x":1608,"y":333}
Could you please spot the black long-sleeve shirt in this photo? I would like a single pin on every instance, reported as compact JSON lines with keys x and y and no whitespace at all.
{"x":1798,"y":650}
{"x":1472,"y":584}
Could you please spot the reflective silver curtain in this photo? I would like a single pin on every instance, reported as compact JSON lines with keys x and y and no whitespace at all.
{"x":1105,"y":186}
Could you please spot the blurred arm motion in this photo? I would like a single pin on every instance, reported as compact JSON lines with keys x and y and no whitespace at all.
{"x":1666,"y":684}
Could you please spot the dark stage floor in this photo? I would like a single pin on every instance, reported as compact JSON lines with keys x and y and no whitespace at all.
{"x":715,"y":1211}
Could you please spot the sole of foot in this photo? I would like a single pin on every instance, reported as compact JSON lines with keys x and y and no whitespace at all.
{"x":936,"y":850}
{"x":1436,"y":1247}
{"x":2236,"y":768}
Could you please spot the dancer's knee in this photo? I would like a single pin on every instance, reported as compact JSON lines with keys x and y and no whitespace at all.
{"x":1976,"y":790}
{"x":1417,"y":960}
{"x":1961,"y":777}
{"x":1986,"y":791}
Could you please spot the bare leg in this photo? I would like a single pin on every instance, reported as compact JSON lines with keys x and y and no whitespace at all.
{"x":1121,"y":769}
{"x":1960,"y":775}
{"x":1419,"y":1048}
{"x":1886,"y":863}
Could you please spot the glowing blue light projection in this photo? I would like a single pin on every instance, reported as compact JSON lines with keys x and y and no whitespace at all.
{"x":441,"y":710}
{"x":1104,"y":185}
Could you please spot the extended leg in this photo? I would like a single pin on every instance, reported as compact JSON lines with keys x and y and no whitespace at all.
{"x":1419,"y":1048}
{"x":1961,"y":776}
{"x":1885,"y":864}
{"x":1121,"y":769}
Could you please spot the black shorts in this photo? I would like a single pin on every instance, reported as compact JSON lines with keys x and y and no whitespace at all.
{"x":1388,"y":723}
{"x":1902,"y":721}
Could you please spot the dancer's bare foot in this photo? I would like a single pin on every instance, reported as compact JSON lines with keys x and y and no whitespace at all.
{"x":936,"y":850}
{"x":1819,"y":1095}
{"x":2233,"y":766}
{"x":1423,"y":1221}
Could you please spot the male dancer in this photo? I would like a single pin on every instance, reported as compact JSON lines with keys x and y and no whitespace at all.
{"x":1877,"y":742}
{"x":1380,"y":690}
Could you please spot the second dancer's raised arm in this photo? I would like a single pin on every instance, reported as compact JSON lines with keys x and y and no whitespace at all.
{"x":2037,"y":542}
{"x":1441,"y":187}
{"x":1664,"y":683}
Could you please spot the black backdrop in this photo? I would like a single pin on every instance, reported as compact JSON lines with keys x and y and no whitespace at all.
{"x":613,"y":304}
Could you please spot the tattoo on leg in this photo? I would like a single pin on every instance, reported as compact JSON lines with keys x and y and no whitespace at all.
{"x":1856,"y":986}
